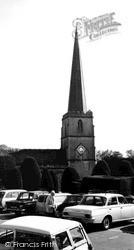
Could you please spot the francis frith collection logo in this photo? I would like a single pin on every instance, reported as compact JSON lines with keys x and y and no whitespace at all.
{"x":97,"y":27}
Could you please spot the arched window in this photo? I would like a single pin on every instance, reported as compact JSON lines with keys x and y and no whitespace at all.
{"x":80,"y":125}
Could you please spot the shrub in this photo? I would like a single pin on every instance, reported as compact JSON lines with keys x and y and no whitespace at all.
{"x":113,"y":162}
{"x":47,"y":181}
{"x":126,"y":169}
{"x":30,"y":174}
{"x":97,"y":183}
{"x":55,"y":180}
{"x":14,"y":179}
{"x":9,"y":162}
{"x":101,"y":168}
{"x":69,"y":179}
{"x":2,"y":171}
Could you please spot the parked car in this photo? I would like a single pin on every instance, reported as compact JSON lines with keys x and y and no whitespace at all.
{"x":38,"y":232}
{"x":25,"y":203}
{"x":130,"y":199}
{"x":59,"y":198}
{"x":8,"y":195}
{"x":71,"y":200}
{"x":103,"y":208}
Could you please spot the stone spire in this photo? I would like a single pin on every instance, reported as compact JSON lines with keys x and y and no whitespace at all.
{"x":77,"y":102}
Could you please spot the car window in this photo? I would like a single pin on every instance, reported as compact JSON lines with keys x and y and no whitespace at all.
{"x":42,"y":198}
{"x":62,"y":240}
{"x":32,"y":240}
{"x":8,"y":195}
{"x":59,"y":198}
{"x":93,"y":200}
{"x":24,"y":196}
{"x":14,"y":194}
{"x":122,"y":200}
{"x":73,"y":199}
{"x":112,"y":201}
{"x":78,"y":198}
{"x":6,"y":237}
{"x":76,"y":234}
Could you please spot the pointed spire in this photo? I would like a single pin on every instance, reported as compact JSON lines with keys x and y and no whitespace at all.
{"x":76,"y":96}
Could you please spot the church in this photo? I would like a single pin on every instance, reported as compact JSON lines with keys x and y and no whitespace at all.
{"x":77,"y":132}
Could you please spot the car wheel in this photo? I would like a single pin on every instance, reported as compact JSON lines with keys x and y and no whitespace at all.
{"x":106,"y":223}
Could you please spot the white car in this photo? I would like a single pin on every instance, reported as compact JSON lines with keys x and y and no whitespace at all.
{"x":103,"y":208}
{"x":39,"y":232}
{"x":8,"y":195}
{"x":58,"y":199}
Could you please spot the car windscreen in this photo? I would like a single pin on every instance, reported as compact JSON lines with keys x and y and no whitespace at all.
{"x":23,"y":196}
{"x":93,"y":200}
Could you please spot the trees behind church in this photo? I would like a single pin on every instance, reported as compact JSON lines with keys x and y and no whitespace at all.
{"x":111,"y":171}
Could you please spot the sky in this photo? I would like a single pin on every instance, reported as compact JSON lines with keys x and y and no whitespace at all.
{"x":36,"y":47}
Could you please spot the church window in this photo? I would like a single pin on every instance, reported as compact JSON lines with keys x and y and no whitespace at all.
{"x":80,"y":125}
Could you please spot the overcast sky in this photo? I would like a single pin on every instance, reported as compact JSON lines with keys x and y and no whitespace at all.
{"x":36,"y":47}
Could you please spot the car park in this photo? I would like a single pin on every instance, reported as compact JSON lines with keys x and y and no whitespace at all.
{"x":103,"y":208}
{"x":40,"y":232}
{"x":25,"y":203}
{"x":59,"y":198}
{"x":71,"y":200}
{"x":8,"y":195}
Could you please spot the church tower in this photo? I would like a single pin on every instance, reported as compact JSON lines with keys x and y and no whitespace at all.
{"x":77,"y":135}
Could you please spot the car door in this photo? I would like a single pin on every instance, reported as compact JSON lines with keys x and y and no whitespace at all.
{"x":114,"y":208}
{"x":126,"y":209}
{"x":79,"y":240}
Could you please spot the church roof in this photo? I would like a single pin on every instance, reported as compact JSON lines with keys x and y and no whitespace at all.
{"x":77,"y":100}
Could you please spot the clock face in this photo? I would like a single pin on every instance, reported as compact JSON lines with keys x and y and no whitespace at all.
{"x":81,"y":149}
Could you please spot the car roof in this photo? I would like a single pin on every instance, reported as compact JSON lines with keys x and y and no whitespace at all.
{"x":39,"y":224}
{"x":56,"y":194}
{"x":107,"y":195}
{"x":13,"y":190}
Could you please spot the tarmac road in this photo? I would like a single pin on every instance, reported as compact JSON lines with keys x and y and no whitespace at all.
{"x":119,"y":237}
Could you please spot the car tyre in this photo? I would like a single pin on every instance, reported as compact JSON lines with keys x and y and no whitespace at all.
{"x":106,"y":223}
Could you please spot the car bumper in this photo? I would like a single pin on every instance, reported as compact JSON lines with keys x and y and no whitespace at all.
{"x":80,"y":219}
{"x":16,"y":209}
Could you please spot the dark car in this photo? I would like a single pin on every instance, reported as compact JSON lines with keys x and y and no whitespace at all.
{"x":70,"y":200}
{"x":25,"y":203}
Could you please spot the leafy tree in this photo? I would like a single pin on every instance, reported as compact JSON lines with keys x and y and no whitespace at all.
{"x":70,"y":180}
{"x":55,"y":180}
{"x":101,"y":155}
{"x":125,"y":168}
{"x":130,"y":153}
{"x":30,"y":174}
{"x":14,"y":179}
{"x":47,"y":180}
{"x":101,"y":168}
